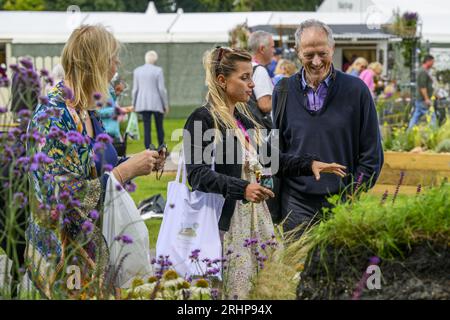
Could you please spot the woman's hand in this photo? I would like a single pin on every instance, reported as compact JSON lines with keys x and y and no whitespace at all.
{"x":140,"y":164}
{"x":254,"y":192}
{"x":318,"y":167}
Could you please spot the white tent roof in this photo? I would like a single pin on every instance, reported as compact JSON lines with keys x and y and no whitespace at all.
{"x":434,"y":14}
{"x":55,"y":27}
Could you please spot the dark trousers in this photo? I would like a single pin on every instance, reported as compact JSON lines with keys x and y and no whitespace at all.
{"x":147,"y":119}
{"x":301,"y":211}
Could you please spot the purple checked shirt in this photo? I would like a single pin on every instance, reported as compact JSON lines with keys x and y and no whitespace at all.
{"x":315,"y":98}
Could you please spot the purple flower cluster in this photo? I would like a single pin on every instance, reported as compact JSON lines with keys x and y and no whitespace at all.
{"x":195,"y":255}
{"x":97,"y":96}
{"x":20,"y":199}
{"x":130,"y":186}
{"x":260,"y":249}
{"x":384,"y":197}
{"x":104,"y":138}
{"x":87,"y":226}
{"x":75,"y":137}
{"x":4,"y":81}
{"x":397,"y":188}
{"x":67,"y":93}
{"x":161,"y":264}
{"x":410,"y":16}
{"x":124,"y":238}
{"x":56,"y":134}
{"x":39,"y":159}
{"x":44,"y":100}
{"x":26,"y":63}
{"x":94,"y":215}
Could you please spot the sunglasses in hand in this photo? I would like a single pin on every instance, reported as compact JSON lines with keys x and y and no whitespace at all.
{"x":162,"y":150}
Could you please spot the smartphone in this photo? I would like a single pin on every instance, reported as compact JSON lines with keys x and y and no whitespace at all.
{"x":266,"y":181}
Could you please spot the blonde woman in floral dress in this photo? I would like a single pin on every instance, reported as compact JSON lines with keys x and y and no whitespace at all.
{"x":244,"y":215}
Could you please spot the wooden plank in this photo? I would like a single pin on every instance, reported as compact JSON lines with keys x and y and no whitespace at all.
{"x":412,"y":177}
{"x":417,"y":161}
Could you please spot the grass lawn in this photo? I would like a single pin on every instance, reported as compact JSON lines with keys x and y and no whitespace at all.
{"x":146,"y":187}
{"x":170,"y":124}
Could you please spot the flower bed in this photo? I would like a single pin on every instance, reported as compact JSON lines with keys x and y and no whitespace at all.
{"x":407,"y":239}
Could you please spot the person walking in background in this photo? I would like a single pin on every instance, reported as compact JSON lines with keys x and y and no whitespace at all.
{"x":424,"y":92}
{"x":368,"y":76}
{"x":359,"y":65}
{"x":150,"y":97}
{"x":262,"y":48}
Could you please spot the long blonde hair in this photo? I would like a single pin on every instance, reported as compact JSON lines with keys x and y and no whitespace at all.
{"x":87,"y":58}
{"x":223,"y":61}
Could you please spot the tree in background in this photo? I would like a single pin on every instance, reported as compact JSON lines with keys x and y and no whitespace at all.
{"x":26,"y":5}
{"x":163,"y":5}
{"x":85,"y":5}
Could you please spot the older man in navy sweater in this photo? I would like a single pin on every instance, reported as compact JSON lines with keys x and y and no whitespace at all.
{"x":330,"y":114}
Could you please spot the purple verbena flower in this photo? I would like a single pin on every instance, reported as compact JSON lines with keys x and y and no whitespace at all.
{"x":87,"y":226}
{"x":75,"y":137}
{"x":97,"y":96}
{"x":130,"y":186}
{"x":44,"y":73}
{"x":27,"y":63}
{"x":104,"y":137}
{"x":75,"y":203}
{"x":60,"y":207}
{"x":67,"y":93}
{"x":43,"y":100}
{"x":94,"y":214}
{"x":374,"y":260}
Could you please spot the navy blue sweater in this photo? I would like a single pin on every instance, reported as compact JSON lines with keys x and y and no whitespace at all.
{"x":345,"y":131}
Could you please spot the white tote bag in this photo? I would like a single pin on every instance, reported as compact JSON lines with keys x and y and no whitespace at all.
{"x":190,"y":222}
{"x":121,"y":217}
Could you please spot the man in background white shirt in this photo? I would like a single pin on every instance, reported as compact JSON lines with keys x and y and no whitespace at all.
{"x":262,"y":48}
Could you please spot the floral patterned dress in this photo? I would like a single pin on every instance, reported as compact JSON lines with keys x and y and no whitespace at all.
{"x":251,"y":225}
{"x":65,"y":191}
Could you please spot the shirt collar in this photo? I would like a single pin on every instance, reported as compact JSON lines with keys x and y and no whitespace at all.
{"x":326,"y":81}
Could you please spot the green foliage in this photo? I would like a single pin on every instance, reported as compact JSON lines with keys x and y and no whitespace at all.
{"x":443,"y":146}
{"x":85,"y":5}
{"x":386,"y":229}
{"x":25,"y":5}
{"x":423,"y":135}
{"x":445,"y":74}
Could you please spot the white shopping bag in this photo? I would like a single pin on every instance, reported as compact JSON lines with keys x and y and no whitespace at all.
{"x":190,"y":222}
{"x":121,"y":217}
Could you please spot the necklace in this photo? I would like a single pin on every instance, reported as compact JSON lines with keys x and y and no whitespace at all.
{"x":83,"y":115}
